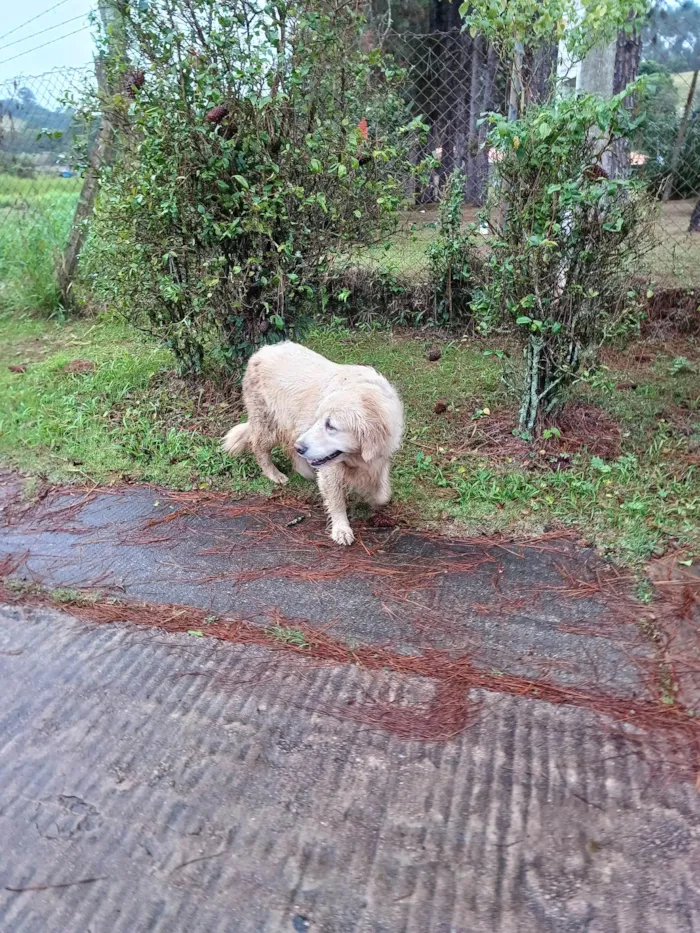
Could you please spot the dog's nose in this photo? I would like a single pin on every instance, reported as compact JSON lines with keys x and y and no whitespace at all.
{"x":301,"y":448}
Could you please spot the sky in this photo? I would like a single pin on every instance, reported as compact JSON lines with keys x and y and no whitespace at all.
{"x":19,"y":54}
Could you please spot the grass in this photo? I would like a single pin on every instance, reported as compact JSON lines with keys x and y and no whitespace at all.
{"x":674,"y":260}
{"x":35,"y":219}
{"x":129,"y":418}
{"x":41,"y":191}
{"x":132,"y":419}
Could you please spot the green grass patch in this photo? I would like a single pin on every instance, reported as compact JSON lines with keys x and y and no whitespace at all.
{"x":35,"y":220}
{"x":128,"y":418}
{"x":674,"y":260}
{"x":132,"y":418}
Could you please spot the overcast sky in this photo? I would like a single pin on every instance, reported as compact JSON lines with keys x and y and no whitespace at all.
{"x":19,"y":54}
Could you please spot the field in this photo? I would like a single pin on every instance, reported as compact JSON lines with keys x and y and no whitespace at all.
{"x":93,"y":401}
{"x":35,"y":219}
{"x":42,"y":193}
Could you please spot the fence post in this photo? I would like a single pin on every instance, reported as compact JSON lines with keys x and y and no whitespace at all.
{"x":101,"y":155}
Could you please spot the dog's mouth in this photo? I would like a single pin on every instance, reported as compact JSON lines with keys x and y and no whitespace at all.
{"x":324,"y":460}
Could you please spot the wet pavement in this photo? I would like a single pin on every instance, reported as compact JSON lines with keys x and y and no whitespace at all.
{"x":175,"y":782}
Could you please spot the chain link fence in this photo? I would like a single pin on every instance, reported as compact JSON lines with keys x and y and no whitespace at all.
{"x":451,"y":80}
{"x":668,"y":159}
{"x":39,"y":187}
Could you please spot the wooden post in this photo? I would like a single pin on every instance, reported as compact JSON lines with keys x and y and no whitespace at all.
{"x":101,"y":155}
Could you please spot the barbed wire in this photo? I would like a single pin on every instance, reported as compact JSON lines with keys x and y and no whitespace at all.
{"x":33,"y":19}
{"x":36,"y":48}
{"x":41,"y":32}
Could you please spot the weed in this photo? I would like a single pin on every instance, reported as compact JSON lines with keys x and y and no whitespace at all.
{"x":68,"y":596}
{"x":286,"y":635}
{"x":680,"y":365}
{"x":31,"y":241}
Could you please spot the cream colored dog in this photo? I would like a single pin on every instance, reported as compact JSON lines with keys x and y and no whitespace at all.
{"x":340,"y":424}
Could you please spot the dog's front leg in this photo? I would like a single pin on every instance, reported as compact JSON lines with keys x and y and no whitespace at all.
{"x":332,"y":486}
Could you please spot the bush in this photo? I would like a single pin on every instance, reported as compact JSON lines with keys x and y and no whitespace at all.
{"x":452,"y":255}
{"x":257,"y":145}
{"x":21,"y":166}
{"x":569,"y":239}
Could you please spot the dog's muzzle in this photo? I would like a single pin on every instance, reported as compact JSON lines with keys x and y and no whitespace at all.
{"x":324,"y":460}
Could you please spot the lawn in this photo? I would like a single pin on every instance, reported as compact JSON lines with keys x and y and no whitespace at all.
{"x":674,"y":260}
{"x":625,"y":470}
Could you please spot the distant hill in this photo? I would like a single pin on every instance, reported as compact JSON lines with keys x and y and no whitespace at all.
{"x":22,"y":119}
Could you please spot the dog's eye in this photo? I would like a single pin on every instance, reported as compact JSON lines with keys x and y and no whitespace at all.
{"x":329,"y":426}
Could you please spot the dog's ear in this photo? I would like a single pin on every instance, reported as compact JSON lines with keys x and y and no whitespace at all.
{"x":372,"y":429}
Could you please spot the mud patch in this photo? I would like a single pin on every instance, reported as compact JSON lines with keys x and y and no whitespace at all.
{"x":581,"y":426}
{"x":673,"y":311}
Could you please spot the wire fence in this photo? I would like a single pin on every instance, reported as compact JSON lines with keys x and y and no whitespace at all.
{"x":451,"y":80}
{"x":40,"y":140}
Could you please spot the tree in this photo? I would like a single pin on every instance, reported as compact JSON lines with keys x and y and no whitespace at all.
{"x":694,"y":226}
{"x":628,"y":54}
{"x":560,"y":267}
{"x":522,"y":28}
{"x":452,"y":81}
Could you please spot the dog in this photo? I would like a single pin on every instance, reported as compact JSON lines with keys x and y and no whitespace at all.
{"x":340,"y":425}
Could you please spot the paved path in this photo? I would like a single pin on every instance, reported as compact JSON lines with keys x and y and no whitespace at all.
{"x":204,"y":784}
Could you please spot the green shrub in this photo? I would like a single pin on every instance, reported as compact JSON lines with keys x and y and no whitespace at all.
{"x":257,"y":145}
{"x":452,"y":255}
{"x":569,"y":239}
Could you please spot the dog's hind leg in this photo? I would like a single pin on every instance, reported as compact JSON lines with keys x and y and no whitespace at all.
{"x":332,"y":485}
{"x":262,"y":450}
{"x":263,"y":434}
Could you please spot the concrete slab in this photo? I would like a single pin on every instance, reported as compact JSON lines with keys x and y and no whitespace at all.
{"x":196,"y":787}
{"x":533,"y":610}
{"x":165,"y":782}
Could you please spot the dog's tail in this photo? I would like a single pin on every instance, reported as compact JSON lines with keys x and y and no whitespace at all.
{"x":237,"y":439}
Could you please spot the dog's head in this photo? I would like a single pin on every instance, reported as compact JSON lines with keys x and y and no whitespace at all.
{"x":345,"y":427}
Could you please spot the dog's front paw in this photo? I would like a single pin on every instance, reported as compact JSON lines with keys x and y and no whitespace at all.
{"x":342,"y":534}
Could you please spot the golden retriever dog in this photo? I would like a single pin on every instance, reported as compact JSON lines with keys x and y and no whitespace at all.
{"x":339,"y":424}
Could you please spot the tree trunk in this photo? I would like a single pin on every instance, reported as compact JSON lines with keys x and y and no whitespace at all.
{"x":516,"y":94}
{"x":628,"y":53}
{"x":447,"y":90}
{"x":483,"y":93}
{"x":597,"y":76}
{"x":101,"y":155}
{"x":694,"y":226}
{"x":539,"y":71}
